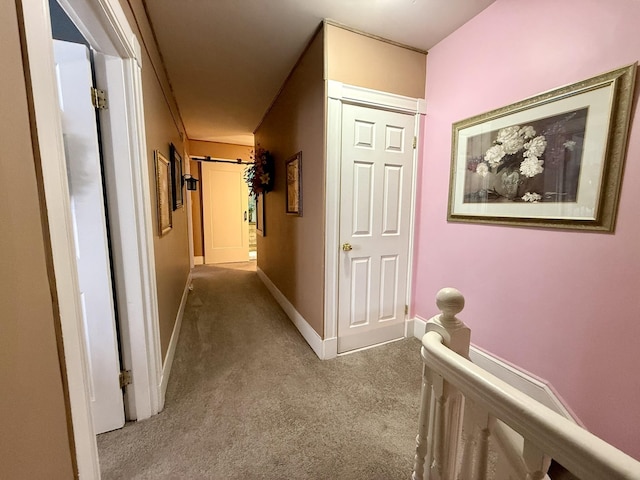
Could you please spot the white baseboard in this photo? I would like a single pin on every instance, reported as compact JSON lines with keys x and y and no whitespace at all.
{"x":324,"y":349}
{"x":536,"y":388}
{"x":198,"y":260}
{"x":171,"y":351}
{"x":409,"y":328}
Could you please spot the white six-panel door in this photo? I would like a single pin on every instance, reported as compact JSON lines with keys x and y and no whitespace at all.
{"x":73,"y":69}
{"x":225,"y":198}
{"x":375,"y":205}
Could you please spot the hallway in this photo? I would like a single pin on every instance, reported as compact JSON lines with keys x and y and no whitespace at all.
{"x":248,"y":398}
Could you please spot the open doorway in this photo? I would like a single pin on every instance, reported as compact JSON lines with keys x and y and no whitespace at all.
{"x":75,"y":75}
{"x":253,"y":233}
{"x":118,"y":61}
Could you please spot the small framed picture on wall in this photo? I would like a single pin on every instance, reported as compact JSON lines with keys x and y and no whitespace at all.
{"x":176,"y":177}
{"x":294,"y":181}
{"x":260,"y":214}
{"x":163,"y":193}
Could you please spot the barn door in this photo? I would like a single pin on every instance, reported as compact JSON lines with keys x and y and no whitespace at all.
{"x":225,"y":198}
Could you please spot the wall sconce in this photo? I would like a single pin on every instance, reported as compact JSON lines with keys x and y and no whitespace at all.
{"x":190,"y":182}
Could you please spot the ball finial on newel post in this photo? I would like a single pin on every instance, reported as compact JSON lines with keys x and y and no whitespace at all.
{"x":450,"y":302}
{"x":455,"y":333}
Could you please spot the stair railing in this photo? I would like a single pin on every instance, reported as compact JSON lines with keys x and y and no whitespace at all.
{"x":456,"y":391}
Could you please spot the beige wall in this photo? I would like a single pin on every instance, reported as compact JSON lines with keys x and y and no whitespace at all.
{"x":364,"y":61}
{"x":215,"y":150}
{"x":163,"y":126}
{"x":292,"y":252}
{"x":229,"y":151}
{"x":35,"y":439}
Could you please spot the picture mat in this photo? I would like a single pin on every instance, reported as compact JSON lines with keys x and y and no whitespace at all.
{"x":599,"y":101}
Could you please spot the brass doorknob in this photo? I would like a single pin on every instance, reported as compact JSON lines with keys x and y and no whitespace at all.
{"x":347,"y":247}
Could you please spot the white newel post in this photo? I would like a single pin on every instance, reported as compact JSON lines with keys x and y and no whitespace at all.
{"x":441,"y":404}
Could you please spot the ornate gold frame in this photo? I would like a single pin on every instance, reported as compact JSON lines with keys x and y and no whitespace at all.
{"x":622,"y":83}
{"x":163,"y":193}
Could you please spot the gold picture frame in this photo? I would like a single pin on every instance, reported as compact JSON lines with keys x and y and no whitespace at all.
{"x":260,"y":225}
{"x":554,"y":160}
{"x":163,"y":193}
{"x":176,"y":177}
{"x":293,"y":191}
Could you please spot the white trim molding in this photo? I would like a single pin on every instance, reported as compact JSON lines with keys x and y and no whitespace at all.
{"x":198,"y":260}
{"x":104,"y":25}
{"x":538,"y":389}
{"x":332,"y":218}
{"x":375,"y":98}
{"x":119,"y":40}
{"x":338,"y":94}
{"x":38,"y":37}
{"x":324,"y":349}
{"x":173,"y":343}
{"x":136,"y":298}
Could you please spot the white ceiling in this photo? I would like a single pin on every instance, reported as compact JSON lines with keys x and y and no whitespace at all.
{"x":227,"y":59}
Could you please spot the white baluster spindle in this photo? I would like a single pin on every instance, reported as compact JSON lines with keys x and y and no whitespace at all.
{"x":422,"y":444}
{"x":518,"y":426}
{"x":536,"y":461}
{"x":439,"y":451}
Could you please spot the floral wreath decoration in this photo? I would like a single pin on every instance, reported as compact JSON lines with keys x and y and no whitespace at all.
{"x":259,"y":175}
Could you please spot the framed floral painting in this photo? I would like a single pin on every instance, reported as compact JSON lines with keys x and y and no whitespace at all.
{"x":176,"y":177}
{"x":553,"y":160}
{"x":163,"y":193}
{"x":260,"y":227}
{"x":293,"y":192}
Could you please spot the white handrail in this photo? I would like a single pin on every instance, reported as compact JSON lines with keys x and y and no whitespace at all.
{"x":581,"y":452}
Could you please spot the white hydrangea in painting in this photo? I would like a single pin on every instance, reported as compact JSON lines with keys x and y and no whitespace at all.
{"x":532,"y":197}
{"x":494,"y":155}
{"x":528,"y":132}
{"x":527,"y":161}
{"x":516,"y":151}
{"x":511,"y":139}
{"x":531,"y":167}
{"x":482,"y":169}
{"x":535,"y":148}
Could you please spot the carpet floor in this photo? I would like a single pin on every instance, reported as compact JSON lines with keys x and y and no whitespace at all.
{"x":249,"y":399}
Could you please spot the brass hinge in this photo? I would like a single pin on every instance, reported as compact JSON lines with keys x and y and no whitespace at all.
{"x":125,"y":378}
{"x":98,"y":98}
{"x":406,"y":309}
{"x":415,"y":142}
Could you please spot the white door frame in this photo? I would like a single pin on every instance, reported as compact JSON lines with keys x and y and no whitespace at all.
{"x":189,"y":206}
{"x":104,"y":25}
{"x":337,"y":95}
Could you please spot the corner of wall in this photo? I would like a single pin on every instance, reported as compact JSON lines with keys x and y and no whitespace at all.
{"x":324,"y":349}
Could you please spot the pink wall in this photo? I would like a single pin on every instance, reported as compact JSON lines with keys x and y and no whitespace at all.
{"x":561,"y":305}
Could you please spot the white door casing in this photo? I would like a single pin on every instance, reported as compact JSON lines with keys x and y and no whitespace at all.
{"x":127,"y":181}
{"x":339,"y":95}
{"x":225,"y":202}
{"x":80,"y":136}
{"x":376,"y":180}
{"x":104,"y":24}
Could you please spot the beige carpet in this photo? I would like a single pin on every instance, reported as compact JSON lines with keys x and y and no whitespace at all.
{"x":248,"y":399}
